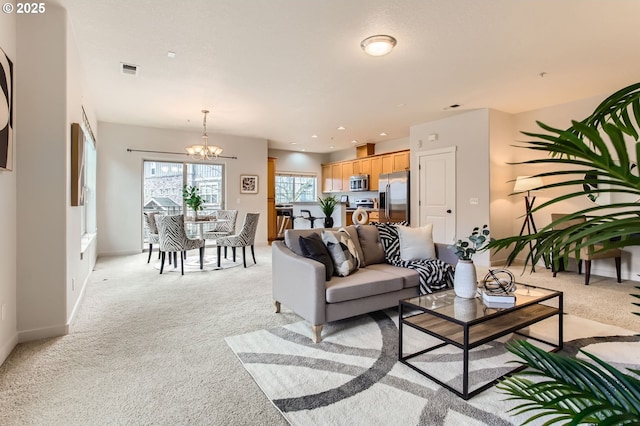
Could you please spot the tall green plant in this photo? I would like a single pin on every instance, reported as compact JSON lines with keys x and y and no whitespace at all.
{"x":574,"y":391}
{"x":327,"y":205}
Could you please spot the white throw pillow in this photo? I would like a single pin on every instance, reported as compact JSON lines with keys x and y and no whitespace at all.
{"x":416,"y":243}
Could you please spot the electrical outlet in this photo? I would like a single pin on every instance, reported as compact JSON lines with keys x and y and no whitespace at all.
{"x":473,"y":200}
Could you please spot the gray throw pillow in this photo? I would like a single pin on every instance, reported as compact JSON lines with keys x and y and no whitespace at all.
{"x":342,"y":252}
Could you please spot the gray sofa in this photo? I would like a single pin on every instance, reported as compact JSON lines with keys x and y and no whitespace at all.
{"x":299,"y":283}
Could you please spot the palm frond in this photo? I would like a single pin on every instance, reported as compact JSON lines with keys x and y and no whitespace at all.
{"x":572,"y":389}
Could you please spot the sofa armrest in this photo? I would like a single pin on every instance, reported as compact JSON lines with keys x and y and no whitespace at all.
{"x":445,"y":254}
{"x":298,"y":283}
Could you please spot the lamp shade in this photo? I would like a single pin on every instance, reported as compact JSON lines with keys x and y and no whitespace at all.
{"x":527,"y":183}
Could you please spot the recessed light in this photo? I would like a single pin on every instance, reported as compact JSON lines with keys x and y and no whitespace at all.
{"x":314,"y":136}
{"x":294,"y":143}
{"x":341,"y":128}
{"x":331,"y":146}
{"x":400,"y":105}
{"x":171,"y":54}
{"x":378,"y":45}
{"x":303,"y":149}
{"x":354,"y":141}
{"x":383,"y":134}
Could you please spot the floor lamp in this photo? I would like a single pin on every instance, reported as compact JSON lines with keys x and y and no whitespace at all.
{"x":527,"y":184}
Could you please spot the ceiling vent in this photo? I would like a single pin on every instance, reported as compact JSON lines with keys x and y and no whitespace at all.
{"x":128,"y":69}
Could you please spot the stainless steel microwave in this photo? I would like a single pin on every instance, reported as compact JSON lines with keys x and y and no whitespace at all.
{"x":359,"y":183}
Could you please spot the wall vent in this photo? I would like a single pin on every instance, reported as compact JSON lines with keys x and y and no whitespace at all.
{"x":128,"y":69}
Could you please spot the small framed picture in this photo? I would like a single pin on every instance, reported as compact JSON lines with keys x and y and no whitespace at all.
{"x":344,"y":199}
{"x":248,"y":184}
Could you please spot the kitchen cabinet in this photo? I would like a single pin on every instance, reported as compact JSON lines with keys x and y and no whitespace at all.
{"x":336,"y":177}
{"x":362,"y":167}
{"x":347,"y":171}
{"x":327,"y":178}
{"x":374,"y":217}
{"x":400,"y":161}
{"x":272,"y":233}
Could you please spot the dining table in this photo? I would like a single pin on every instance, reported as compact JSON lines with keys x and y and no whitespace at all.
{"x":208,"y":222}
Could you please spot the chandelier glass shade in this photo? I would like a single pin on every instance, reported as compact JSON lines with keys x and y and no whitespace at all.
{"x":204,"y":151}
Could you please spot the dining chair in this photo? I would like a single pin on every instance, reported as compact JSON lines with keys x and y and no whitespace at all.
{"x":587,"y":254}
{"x":174,"y":240}
{"x":226,"y":226}
{"x":152,"y":232}
{"x":244,"y":238}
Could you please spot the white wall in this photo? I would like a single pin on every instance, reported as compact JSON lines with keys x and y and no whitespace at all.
{"x":49,"y":87}
{"x":560,"y":116}
{"x":8,"y":216}
{"x":120,"y":179}
{"x":504,"y":219}
{"x":469,"y":132}
{"x":294,"y":161}
{"x":380,"y":148}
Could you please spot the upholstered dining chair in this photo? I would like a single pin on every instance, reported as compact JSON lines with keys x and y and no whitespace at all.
{"x":173,"y":240}
{"x":152,"y":232}
{"x":244,"y":238}
{"x":227,"y":225}
{"x":586,"y":253}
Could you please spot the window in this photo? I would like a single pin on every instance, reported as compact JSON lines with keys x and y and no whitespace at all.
{"x":163,"y":182}
{"x":292,"y":187}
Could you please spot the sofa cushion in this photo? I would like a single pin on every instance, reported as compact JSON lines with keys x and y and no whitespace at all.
{"x":363,"y":283}
{"x":342,"y":251}
{"x":410,"y":277}
{"x":313,"y":248}
{"x":416,"y":243}
{"x":372,"y":250}
{"x":291,"y":238}
{"x":353,"y":233}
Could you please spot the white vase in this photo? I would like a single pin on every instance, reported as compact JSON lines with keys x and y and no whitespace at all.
{"x":465,"y":281}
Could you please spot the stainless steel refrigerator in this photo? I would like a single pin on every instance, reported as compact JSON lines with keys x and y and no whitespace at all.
{"x":393,"y":196}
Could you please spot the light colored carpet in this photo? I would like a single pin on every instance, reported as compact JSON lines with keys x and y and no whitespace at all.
{"x":149,"y":349}
{"x":354,"y":378}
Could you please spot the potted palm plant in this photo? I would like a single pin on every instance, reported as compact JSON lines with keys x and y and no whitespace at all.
{"x":192,"y":198}
{"x":566,"y":388}
{"x":328,"y":205}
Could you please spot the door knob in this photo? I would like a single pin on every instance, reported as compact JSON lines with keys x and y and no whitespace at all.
{"x":449,"y":211}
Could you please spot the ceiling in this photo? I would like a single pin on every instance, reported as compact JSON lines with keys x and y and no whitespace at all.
{"x":285,"y":70}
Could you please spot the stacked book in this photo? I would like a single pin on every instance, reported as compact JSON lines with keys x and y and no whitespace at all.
{"x":498,"y":300}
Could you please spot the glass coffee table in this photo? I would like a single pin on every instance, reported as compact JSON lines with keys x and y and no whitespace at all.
{"x":468,"y":323}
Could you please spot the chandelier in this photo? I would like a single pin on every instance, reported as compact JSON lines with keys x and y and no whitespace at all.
{"x":204,"y":151}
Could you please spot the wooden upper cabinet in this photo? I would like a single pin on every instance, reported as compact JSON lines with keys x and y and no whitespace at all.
{"x":327,"y":178}
{"x":362,"y":167}
{"x":347,"y":171}
{"x":336,"y":177}
{"x":387,"y":163}
{"x":400,"y":161}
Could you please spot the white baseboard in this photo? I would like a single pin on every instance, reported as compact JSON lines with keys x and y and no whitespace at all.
{"x":43,"y":333}
{"x":6,"y":349}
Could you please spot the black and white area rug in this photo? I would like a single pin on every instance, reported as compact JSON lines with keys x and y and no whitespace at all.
{"x":353,"y":376}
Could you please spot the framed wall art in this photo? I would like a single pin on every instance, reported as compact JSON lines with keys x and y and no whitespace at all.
{"x":77,"y":165}
{"x":6,"y":112}
{"x":248,"y":184}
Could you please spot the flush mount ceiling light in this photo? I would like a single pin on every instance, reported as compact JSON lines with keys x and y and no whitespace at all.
{"x":378,"y":45}
{"x":204,"y":151}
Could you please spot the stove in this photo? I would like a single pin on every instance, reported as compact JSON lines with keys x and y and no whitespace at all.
{"x":365,"y":203}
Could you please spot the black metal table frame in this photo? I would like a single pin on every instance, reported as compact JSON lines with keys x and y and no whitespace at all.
{"x":466,"y":347}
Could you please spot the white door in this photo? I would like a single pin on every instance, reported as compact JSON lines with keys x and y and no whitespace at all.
{"x":437,"y":191}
